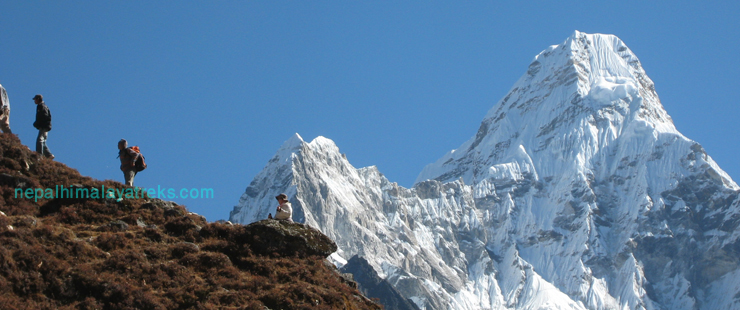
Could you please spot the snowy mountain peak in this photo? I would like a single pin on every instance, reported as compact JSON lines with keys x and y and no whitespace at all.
{"x":323,"y":144}
{"x":577,"y":192}
{"x":578,"y":96}
{"x":606,"y":72}
{"x":278,"y":177}
{"x":290,"y":146}
{"x":293,"y":143}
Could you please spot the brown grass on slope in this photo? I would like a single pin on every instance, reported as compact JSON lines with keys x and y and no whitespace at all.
{"x":77,"y":253}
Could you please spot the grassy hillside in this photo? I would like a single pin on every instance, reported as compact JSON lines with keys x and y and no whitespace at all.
{"x":141,"y":253}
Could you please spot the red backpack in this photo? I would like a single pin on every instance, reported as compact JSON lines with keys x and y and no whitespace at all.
{"x":139,"y":165}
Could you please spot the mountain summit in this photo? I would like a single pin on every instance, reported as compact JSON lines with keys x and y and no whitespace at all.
{"x":577,"y":192}
{"x":575,"y":101}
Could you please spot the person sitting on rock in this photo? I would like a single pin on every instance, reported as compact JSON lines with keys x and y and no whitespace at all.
{"x":284,"y":209}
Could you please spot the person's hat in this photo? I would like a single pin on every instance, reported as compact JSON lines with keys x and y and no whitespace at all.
{"x":282,"y":196}
{"x":123,"y":141}
{"x":38,"y":96}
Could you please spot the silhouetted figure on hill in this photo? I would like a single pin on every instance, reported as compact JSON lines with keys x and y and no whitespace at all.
{"x":43,"y":124}
{"x":4,"y":111}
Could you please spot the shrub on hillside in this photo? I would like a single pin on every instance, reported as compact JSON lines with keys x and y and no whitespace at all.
{"x":141,"y":253}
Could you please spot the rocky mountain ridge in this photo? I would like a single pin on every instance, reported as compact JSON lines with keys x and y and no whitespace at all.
{"x":577,"y":192}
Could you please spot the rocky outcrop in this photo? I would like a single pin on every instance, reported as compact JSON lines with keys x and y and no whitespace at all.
{"x":283,"y":238}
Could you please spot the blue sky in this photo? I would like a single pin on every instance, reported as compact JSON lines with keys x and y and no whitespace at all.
{"x":209,"y":90}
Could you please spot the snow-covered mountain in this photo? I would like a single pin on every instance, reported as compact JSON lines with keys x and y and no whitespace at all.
{"x":577,"y":192}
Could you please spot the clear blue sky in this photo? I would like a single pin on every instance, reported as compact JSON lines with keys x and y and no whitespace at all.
{"x":210,"y":89}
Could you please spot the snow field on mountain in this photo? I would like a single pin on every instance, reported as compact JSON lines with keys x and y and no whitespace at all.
{"x":577,"y":192}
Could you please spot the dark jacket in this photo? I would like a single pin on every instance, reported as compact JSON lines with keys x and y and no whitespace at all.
{"x":128,"y":158}
{"x":43,"y":117}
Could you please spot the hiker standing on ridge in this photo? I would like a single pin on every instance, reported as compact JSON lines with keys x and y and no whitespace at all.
{"x":4,"y":110}
{"x":43,"y":124}
{"x":284,"y":210}
{"x":128,"y":161}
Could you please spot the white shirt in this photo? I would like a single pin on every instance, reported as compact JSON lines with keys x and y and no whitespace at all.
{"x":284,"y":212}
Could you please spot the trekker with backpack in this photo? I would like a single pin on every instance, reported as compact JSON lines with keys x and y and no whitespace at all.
{"x":43,"y":124}
{"x":131,"y":161}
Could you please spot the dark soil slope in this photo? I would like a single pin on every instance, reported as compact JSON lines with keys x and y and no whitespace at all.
{"x":141,"y":253}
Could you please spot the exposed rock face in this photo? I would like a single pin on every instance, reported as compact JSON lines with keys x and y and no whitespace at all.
{"x":577,"y":192}
{"x":287,"y":239}
{"x":371,"y":285}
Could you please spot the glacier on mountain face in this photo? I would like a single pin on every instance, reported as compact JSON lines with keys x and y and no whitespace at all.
{"x":577,"y":192}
